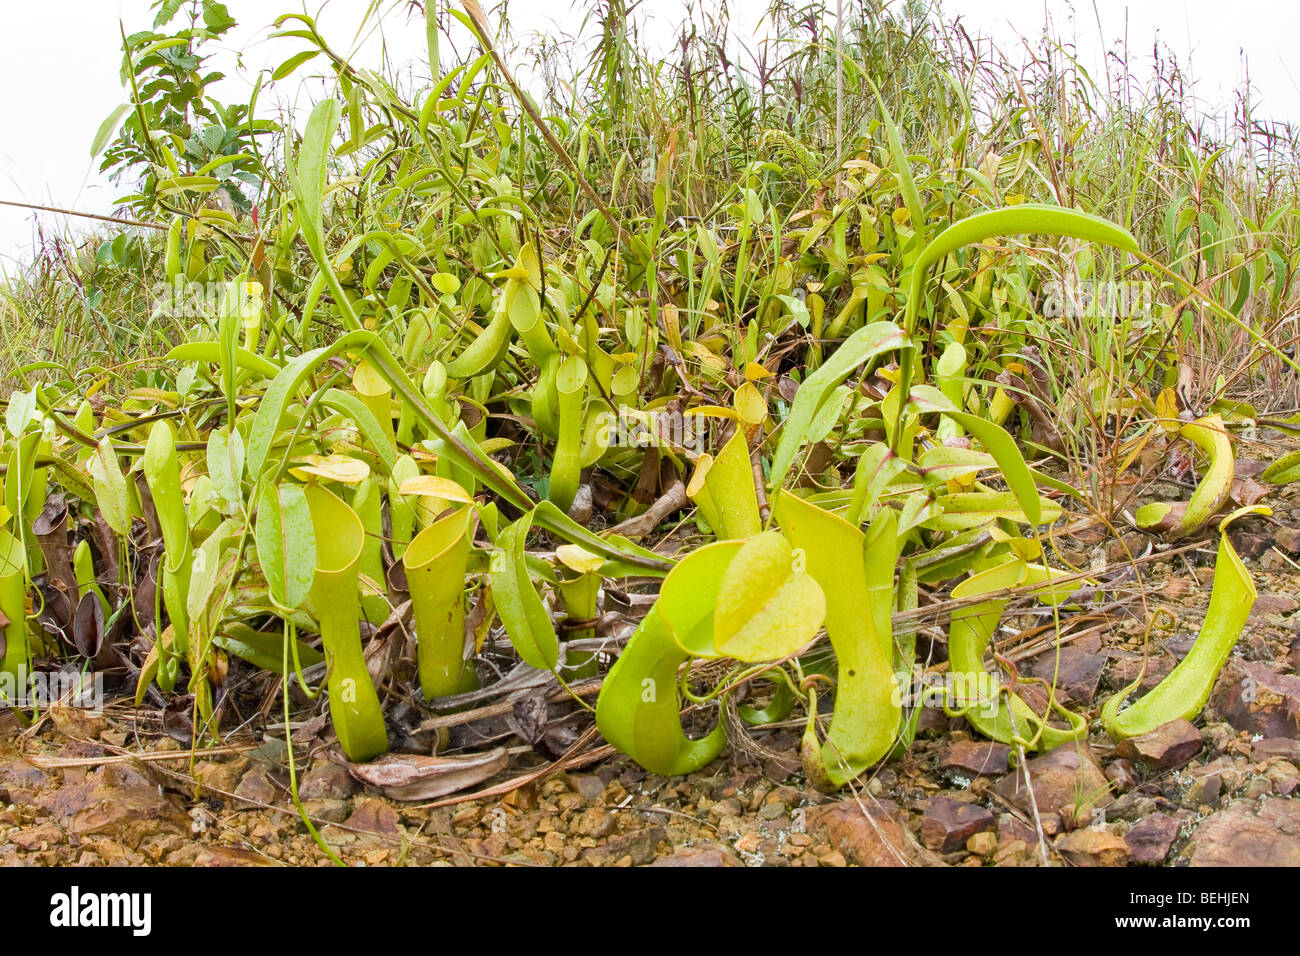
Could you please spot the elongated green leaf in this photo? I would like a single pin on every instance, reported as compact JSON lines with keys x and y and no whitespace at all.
{"x":876,"y":468}
{"x":903,"y":169}
{"x":522,"y":612}
{"x":274,"y":404}
{"x":309,"y":174}
{"x":209,"y":577}
{"x":262,"y":649}
{"x":19,"y":411}
{"x":291,"y":64}
{"x":226,"y":463}
{"x":996,"y":441}
{"x":1011,"y":221}
{"x":974,"y":509}
{"x":107,"y":128}
{"x":110,"y":487}
{"x":1285,"y":470}
{"x":864,"y":344}
{"x":308,"y":193}
{"x":286,"y":543}
{"x":211,"y":352}
{"x":942,"y":463}
{"x":228,"y":326}
{"x":377,"y":438}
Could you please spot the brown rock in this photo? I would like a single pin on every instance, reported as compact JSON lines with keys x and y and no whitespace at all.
{"x":699,"y":856}
{"x":327,"y":780}
{"x":1250,"y":544}
{"x":976,"y":758}
{"x":1079,"y":674}
{"x":118,"y":800}
{"x":1232,"y":771}
{"x":1164,"y":748}
{"x":256,"y":787}
{"x":1125,"y":666}
{"x":1288,"y":539}
{"x":32,"y":838}
{"x":1204,"y":791}
{"x":220,"y":775}
{"x":1252,"y":696}
{"x":595,"y":822}
{"x":1051,"y":823}
{"x":1011,"y":853}
{"x":933,"y":722}
{"x":947,"y":824}
{"x":1238,"y":836}
{"x":1246,"y":491}
{"x":375,"y":816}
{"x":1011,"y":828}
{"x":1267,"y":604}
{"x":1218,"y":735}
{"x":982,"y":843}
{"x":325,"y":810}
{"x":1283,"y":814}
{"x":17,"y":773}
{"x":1093,"y":846}
{"x":1150,"y":839}
{"x":589,"y":787}
{"x":229,"y":856}
{"x":77,"y":723}
{"x":1120,"y":774}
{"x":871,"y":838}
{"x":639,"y":846}
{"x":1065,"y":780}
{"x":1123,"y":548}
{"x":727,"y":807}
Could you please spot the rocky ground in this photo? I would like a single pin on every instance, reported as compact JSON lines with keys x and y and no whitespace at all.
{"x":113,"y":789}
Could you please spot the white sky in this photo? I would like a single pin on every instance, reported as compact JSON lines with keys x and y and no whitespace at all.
{"x":60,"y":60}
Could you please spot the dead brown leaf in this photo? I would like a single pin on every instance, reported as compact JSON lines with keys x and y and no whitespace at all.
{"x":417,"y":777}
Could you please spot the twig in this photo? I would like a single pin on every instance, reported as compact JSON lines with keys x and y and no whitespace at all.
{"x":116,"y":220}
{"x":640,"y":526}
{"x":58,"y":763}
{"x":587,"y":689}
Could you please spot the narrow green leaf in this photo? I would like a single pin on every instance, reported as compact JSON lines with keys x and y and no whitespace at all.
{"x":226,"y":463}
{"x":264,"y":650}
{"x":996,"y":441}
{"x":522,"y":612}
{"x":110,"y":487}
{"x":864,"y":344}
{"x":108,"y":128}
{"x":286,"y":543}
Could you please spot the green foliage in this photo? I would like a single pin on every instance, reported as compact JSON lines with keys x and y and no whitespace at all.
{"x":462,"y":370}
